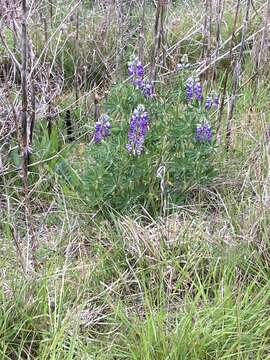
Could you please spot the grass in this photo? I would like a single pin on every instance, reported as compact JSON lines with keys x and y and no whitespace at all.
{"x":131,"y":292}
{"x":191,"y":282}
{"x":187,"y":287}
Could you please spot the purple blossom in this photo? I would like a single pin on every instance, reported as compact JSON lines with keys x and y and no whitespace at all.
{"x":140,"y":70}
{"x":203,"y":132}
{"x":148,"y":89}
{"x":131,"y":70}
{"x":145,"y":87}
{"x":189,"y":89}
{"x":208,"y":103}
{"x":212,"y":101}
{"x":135,"y":68}
{"x":139,"y":124}
{"x":216,"y":102}
{"x":139,"y":83}
{"x":198,"y":91}
{"x":102,"y":128}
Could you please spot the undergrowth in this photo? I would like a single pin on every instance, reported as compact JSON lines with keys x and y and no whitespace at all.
{"x":158,"y":252}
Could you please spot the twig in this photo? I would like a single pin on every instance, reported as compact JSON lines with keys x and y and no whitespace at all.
{"x":236,"y":78}
{"x":219,"y":117}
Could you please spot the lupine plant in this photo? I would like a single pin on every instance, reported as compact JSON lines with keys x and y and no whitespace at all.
{"x":189,"y":89}
{"x":102,"y":128}
{"x":216,"y":102}
{"x":198,"y":91}
{"x":136,"y":71}
{"x":194,"y":96}
{"x":211,"y":101}
{"x":138,"y":128}
{"x":203,"y":132}
{"x":135,"y":68}
{"x":208,"y":103}
{"x":194,"y":91}
{"x":124,"y":170}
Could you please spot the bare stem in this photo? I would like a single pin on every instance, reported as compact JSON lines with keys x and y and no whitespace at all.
{"x":25,"y":136}
{"x":222,"y":103}
{"x":236,"y":77}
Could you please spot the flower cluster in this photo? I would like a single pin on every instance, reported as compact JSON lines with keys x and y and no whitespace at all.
{"x":189,"y":89}
{"x":194,"y":91}
{"x":139,"y":124}
{"x":203,"y":132}
{"x":198,"y":91}
{"x":147,"y":89}
{"x":211,"y":101}
{"x":136,"y":71}
{"x":102,"y":128}
{"x":208,"y":103}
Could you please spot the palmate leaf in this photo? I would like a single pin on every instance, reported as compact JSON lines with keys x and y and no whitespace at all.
{"x":120,"y":180}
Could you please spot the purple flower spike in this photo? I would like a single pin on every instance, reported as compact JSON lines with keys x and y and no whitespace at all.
{"x":139,"y":124}
{"x":198,"y":91}
{"x":102,"y":128}
{"x":135,"y":68}
{"x":139,"y":83}
{"x":140,"y":69}
{"x":203,"y":132}
{"x":189,"y":89}
{"x":148,"y":90}
{"x":131,"y":70}
{"x":208,"y":103}
{"x":216,"y":102}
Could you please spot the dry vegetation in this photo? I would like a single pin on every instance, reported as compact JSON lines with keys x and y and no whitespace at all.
{"x":109,"y":255}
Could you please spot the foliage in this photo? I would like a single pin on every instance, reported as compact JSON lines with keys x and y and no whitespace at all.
{"x":160,"y":255}
{"x":121,"y":180}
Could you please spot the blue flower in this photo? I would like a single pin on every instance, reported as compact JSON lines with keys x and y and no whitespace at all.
{"x":148,"y":89}
{"x":216,"y":102}
{"x":208,"y":103}
{"x":102,"y":128}
{"x":198,"y":91}
{"x":136,"y":71}
{"x":135,"y":68}
{"x":131,"y":70}
{"x":203,"y":132}
{"x":189,"y":89}
{"x":139,"y":83}
{"x":138,"y":127}
{"x":140,"y":69}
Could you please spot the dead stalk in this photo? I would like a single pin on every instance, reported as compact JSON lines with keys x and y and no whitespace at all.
{"x":236,"y":76}
{"x":222,"y":102}
{"x":219,"y":17}
{"x":30,"y":254}
{"x":142,"y":35}
{"x":159,"y":37}
{"x":76,"y":75}
{"x":262,"y":52}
